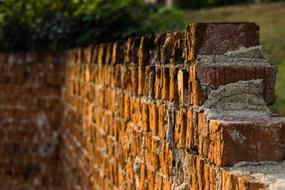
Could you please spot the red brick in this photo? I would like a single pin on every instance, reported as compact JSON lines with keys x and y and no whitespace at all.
{"x":141,"y":80}
{"x":205,"y":39}
{"x":205,"y":176}
{"x":180,"y":129}
{"x":117,"y":76}
{"x":230,"y":181}
{"x":166,"y":159}
{"x":153,"y":118}
{"x":191,"y":131}
{"x":150,"y":179}
{"x":156,"y":56}
{"x":162,"y":120}
{"x":131,"y":52}
{"x":134,"y":79}
{"x":229,"y":142}
{"x":173,"y":89}
{"x":165,"y":83}
{"x":126,"y":78}
{"x":158,"y":182}
{"x":149,"y":87}
{"x":183,"y":91}
{"x":146,"y":44}
{"x":127,"y":105}
{"x":143,"y":177}
{"x":158,"y":83}
{"x":215,"y":76}
{"x":145,"y":117}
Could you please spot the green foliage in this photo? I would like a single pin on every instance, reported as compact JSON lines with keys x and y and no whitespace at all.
{"x":32,"y":24}
{"x":56,"y":24}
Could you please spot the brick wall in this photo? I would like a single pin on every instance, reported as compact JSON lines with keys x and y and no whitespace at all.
{"x":30,"y":105}
{"x":184,"y":110}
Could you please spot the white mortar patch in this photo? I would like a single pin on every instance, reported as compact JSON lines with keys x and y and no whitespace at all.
{"x":240,"y":100}
{"x":269,"y":173}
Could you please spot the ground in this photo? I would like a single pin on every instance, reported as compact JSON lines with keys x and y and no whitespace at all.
{"x":270,"y":18}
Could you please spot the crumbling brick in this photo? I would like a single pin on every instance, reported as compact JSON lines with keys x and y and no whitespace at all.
{"x":182,"y":110}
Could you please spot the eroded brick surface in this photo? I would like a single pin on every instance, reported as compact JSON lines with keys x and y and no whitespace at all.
{"x":127,"y":115}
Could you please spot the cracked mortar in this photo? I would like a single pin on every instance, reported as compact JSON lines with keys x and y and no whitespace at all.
{"x":249,"y":57}
{"x":182,"y":158}
{"x":240,"y":100}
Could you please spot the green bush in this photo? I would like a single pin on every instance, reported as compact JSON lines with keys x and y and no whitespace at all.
{"x":57,"y":24}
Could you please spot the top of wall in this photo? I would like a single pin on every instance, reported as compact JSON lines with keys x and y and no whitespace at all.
{"x":168,"y":48}
{"x":172,"y":48}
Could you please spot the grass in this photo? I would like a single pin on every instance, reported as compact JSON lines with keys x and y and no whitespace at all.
{"x":270,"y":18}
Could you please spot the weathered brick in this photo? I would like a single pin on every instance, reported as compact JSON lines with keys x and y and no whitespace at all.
{"x":177,"y":53}
{"x":158,"y":182}
{"x":145,"y":117}
{"x":166,"y":159}
{"x":228,"y":142}
{"x":127,"y":106}
{"x":165,"y":83}
{"x":173,"y":88}
{"x":127,"y":115}
{"x":204,"y":39}
{"x":101,"y":54}
{"x":117,"y":76}
{"x":166,"y":184}
{"x":154,"y":154}
{"x":120,"y":104}
{"x":183,"y":91}
{"x":131,"y":53}
{"x":158,"y":83}
{"x":150,"y":179}
{"x":149,"y":89}
{"x":215,"y":76}
{"x":180,"y":129}
{"x":230,"y":181}
{"x":146,"y":45}
{"x":134,"y":79}
{"x":156,"y":56}
{"x":153,"y":118}
{"x":108,"y":53}
{"x":126,"y":78}
{"x":162,"y":121}
{"x":141,"y":80}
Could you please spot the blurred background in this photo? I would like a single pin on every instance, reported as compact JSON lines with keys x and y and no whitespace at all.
{"x":59,"y":24}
